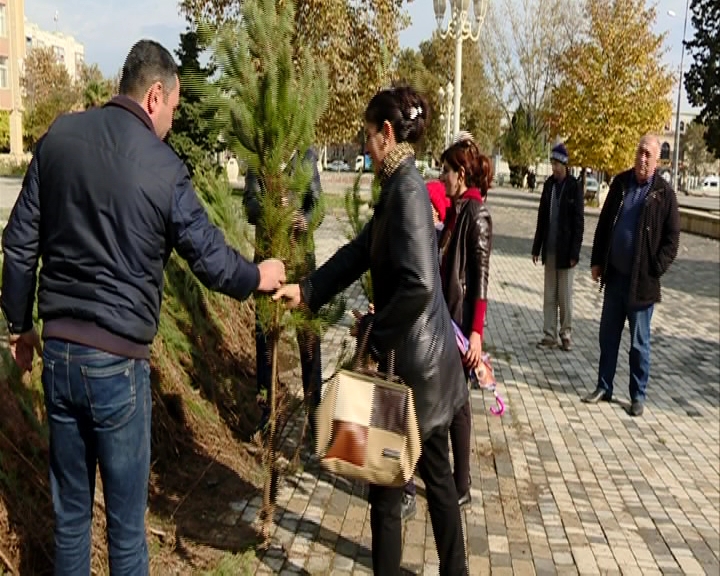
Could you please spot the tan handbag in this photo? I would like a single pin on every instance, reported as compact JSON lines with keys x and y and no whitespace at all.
{"x":366,"y":426}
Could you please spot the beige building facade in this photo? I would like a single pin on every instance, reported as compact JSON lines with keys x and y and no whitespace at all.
{"x":12,"y":54}
{"x":67,"y":50}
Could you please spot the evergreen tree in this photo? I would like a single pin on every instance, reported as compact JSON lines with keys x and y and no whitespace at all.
{"x":701,"y":81}
{"x":194,"y":137}
{"x":267,"y":101}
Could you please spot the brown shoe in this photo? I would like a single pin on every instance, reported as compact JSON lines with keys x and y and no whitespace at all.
{"x":547,"y":342}
{"x":566,"y":344}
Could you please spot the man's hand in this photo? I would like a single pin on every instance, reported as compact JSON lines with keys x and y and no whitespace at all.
{"x":535,"y":258}
{"x":272,"y":275}
{"x":23,"y":347}
{"x":290,"y":293}
{"x":573,"y":263}
{"x":596,"y":273}
{"x":474,"y":352}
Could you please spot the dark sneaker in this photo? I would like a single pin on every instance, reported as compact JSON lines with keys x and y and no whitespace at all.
{"x":547,"y":342}
{"x":636,"y":408}
{"x":598,"y":395}
{"x":465,"y":499}
{"x":566,"y":344}
{"x":408,"y":508}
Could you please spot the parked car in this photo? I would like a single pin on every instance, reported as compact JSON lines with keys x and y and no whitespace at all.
{"x":711,"y":186}
{"x":338,"y":166}
{"x":591,"y":188}
{"x":363,"y":163}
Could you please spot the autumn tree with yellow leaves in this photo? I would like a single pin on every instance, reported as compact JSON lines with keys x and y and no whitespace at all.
{"x":612,"y":86}
{"x":356,"y":41}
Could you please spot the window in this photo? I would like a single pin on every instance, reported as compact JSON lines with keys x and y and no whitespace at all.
{"x":682,"y":127}
{"x":3,"y":20}
{"x":79,"y":60}
{"x":28,"y":44}
{"x":665,"y":151}
{"x":4,"y":72}
{"x":59,"y":53}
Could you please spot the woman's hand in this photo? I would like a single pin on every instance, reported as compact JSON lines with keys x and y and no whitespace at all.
{"x":290,"y":293}
{"x":473,"y":356}
{"x":358,"y":319}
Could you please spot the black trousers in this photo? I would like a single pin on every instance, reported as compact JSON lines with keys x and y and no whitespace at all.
{"x":460,"y":432}
{"x":442,"y":499}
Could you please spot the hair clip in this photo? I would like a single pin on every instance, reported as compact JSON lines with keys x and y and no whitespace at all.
{"x":415,"y":111}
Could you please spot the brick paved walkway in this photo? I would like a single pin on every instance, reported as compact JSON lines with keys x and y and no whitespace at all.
{"x":558,"y":486}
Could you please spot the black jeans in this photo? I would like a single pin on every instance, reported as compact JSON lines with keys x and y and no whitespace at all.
{"x":310,"y":365}
{"x":442,"y":498}
{"x":460,"y":432}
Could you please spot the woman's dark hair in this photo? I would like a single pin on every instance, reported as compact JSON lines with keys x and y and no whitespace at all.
{"x":406,"y":111}
{"x":478,"y":168}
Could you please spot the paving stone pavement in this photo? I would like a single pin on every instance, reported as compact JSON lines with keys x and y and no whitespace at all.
{"x":558,"y":487}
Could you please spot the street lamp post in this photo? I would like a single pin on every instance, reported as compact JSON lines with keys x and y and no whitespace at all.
{"x":461,"y":26}
{"x":676,"y":147}
{"x":446,"y":104}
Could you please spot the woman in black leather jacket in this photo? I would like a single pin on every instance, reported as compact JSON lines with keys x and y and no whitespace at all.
{"x":465,"y":247}
{"x":399,"y":247}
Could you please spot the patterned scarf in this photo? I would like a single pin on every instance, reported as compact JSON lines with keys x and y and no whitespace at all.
{"x":394,"y":158}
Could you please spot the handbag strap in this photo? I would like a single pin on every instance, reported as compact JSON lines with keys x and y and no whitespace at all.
{"x":361,"y":353}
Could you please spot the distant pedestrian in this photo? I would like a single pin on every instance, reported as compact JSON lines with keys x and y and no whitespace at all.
{"x":636,"y":241}
{"x":531,"y":180}
{"x":558,"y":239}
{"x":308,"y":342}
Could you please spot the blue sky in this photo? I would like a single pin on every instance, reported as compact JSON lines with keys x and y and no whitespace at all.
{"x":108,"y":28}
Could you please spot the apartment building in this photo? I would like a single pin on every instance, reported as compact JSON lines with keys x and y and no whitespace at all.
{"x":12,"y":54}
{"x":67,"y":50}
{"x":17,"y":38}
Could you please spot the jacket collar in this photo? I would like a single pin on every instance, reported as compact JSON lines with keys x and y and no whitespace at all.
{"x":658,"y":183}
{"x":471,"y":194}
{"x":127,"y":103}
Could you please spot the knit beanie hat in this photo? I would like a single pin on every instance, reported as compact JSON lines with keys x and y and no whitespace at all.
{"x":440,"y":202}
{"x":560,"y":153}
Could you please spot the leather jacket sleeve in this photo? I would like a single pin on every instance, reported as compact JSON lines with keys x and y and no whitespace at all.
{"x":479,"y":247}
{"x":341,"y":270}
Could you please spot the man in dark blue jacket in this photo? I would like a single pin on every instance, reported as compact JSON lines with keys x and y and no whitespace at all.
{"x":104,"y":203}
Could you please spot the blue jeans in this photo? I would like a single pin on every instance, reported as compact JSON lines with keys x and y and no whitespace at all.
{"x":615,"y":310}
{"x":99,"y":412}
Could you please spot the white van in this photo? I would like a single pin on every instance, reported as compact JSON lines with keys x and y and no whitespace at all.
{"x":711,"y":186}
